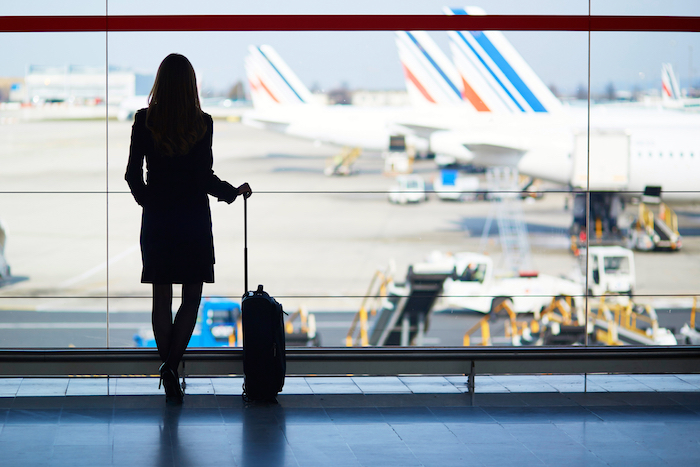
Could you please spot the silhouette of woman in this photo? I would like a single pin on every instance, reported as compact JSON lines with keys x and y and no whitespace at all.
{"x":177,"y":247}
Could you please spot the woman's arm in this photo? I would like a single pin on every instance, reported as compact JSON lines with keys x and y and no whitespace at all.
{"x":134,"y":168}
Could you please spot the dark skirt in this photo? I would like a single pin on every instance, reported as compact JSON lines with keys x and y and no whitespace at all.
{"x":176,"y":244}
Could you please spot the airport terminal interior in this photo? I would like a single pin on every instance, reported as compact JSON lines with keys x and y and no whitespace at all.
{"x":484,"y":199}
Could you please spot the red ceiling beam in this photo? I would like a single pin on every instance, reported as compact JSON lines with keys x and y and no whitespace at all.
{"x":347,"y":23}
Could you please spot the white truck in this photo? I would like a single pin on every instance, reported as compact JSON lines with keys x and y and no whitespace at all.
{"x":610,"y":270}
{"x":474,"y":286}
{"x":408,"y":189}
{"x":451,"y":185}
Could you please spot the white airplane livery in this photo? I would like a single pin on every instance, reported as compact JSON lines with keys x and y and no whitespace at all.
{"x":271,"y":81}
{"x":507,"y":116}
{"x":431,"y":78}
{"x":670,"y":89}
{"x":519,"y":122}
{"x":283,"y":104}
{"x":494,"y":74}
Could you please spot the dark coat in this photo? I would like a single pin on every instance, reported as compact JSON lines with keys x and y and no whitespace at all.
{"x":177,"y":246}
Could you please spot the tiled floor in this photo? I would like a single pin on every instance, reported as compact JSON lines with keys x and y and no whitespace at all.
{"x":523,"y":420}
{"x":26,"y":387}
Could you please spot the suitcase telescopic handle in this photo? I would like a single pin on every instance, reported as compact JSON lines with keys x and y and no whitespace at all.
{"x":245,"y":242}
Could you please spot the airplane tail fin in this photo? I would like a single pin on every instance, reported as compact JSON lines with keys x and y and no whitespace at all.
{"x":495,"y":72}
{"x":670,"y":89}
{"x":272,"y":82}
{"x":430,"y":76}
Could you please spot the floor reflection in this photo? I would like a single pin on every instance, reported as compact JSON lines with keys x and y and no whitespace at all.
{"x":263,"y":439}
{"x":170,"y":447}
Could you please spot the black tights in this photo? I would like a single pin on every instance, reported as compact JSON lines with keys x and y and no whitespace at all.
{"x":172,"y":338}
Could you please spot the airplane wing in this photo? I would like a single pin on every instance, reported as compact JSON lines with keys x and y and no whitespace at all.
{"x":265,"y":123}
{"x":494,"y":150}
{"x":495,"y":155}
{"x":421,"y":131}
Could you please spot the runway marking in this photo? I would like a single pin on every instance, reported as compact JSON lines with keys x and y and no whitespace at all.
{"x":99,"y":267}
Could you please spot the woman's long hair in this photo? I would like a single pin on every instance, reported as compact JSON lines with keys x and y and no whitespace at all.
{"x":174,"y":115}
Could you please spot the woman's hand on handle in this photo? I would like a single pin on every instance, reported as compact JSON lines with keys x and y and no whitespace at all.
{"x":245,"y":190}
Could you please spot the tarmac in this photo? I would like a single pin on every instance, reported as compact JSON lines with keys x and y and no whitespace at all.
{"x":313,"y":240}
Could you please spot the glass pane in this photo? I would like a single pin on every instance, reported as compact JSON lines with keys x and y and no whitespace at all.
{"x":55,"y":247}
{"x":55,"y":322}
{"x":424,"y":7}
{"x":52,"y":112}
{"x":642,"y":178}
{"x":327,"y":242}
{"x":77,"y":7}
{"x":646,"y":8}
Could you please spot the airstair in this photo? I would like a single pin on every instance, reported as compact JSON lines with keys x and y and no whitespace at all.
{"x":342,"y":164}
{"x":506,"y":208}
{"x":404,"y":315}
{"x":656,"y":228}
{"x":623,"y":323}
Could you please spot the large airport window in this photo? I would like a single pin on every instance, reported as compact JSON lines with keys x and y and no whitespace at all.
{"x":651,"y":210}
{"x":440,"y":188}
{"x":53,"y":204}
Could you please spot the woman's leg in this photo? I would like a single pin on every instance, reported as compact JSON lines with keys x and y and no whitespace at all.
{"x":162,"y":318}
{"x":184,"y":323}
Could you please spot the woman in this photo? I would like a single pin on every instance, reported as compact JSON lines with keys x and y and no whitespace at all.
{"x":175,"y":137}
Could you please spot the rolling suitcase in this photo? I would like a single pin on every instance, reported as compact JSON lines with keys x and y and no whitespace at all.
{"x":264,"y":360}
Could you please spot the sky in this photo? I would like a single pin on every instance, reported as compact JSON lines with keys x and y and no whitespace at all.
{"x":360,"y":60}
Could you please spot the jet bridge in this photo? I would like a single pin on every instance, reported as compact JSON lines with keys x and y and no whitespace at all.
{"x":404,"y":317}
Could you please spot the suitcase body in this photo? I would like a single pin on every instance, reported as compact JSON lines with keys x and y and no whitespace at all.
{"x":264,"y":361}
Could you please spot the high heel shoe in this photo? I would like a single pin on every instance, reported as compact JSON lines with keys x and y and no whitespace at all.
{"x":170,"y":380}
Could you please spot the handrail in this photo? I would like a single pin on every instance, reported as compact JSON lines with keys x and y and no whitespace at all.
{"x":364,"y":361}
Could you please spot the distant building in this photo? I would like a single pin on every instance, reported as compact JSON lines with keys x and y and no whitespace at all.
{"x":362,"y":98}
{"x":380,"y":98}
{"x":81,"y":84}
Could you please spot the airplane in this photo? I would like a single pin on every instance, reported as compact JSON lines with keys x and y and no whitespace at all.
{"x":671,"y":95}
{"x":431,"y":78}
{"x":282,"y":103}
{"x":508,"y":117}
{"x":519,"y":123}
{"x":670,"y":88}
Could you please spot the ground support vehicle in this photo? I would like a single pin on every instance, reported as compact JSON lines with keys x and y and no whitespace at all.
{"x":450,"y":185}
{"x":473,"y":285}
{"x":610,"y":322}
{"x":689,"y":331}
{"x":219,"y":325}
{"x":408,"y":189}
{"x":306,"y":335}
{"x":396,"y":313}
{"x":610,"y":271}
{"x":655,"y":229}
{"x":557,"y":324}
{"x":342,"y":164}
{"x":621,"y":323}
